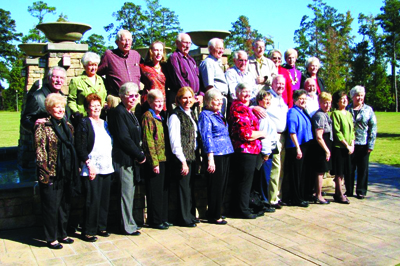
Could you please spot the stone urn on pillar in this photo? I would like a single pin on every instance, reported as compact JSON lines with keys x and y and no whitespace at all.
{"x":201,"y":38}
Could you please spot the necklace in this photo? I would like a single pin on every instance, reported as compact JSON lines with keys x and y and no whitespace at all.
{"x":295,"y":77}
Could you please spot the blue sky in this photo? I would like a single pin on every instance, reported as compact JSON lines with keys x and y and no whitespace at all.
{"x":278,"y":19}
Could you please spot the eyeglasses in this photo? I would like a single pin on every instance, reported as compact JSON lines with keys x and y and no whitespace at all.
{"x":131,"y":96}
{"x":187,"y":43}
{"x":242,"y":60}
{"x":278,"y":58}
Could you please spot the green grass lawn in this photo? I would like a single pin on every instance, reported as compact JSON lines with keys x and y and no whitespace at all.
{"x":385,"y":148}
{"x":9,"y":128}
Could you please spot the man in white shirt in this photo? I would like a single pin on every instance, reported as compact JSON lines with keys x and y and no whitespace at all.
{"x":277,"y":113}
{"x":240,"y":74}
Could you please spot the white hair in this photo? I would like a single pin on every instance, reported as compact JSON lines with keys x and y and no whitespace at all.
{"x":51,"y":70}
{"x":90,"y":57}
{"x":211,"y":95}
{"x":357,"y":90}
{"x":289,"y":52}
{"x":271,"y":53}
{"x":313,"y":60}
{"x":127,"y":88}
{"x":213,"y":42}
{"x":236,"y":54}
{"x":258,"y":40}
{"x":121,"y":33}
{"x":180,"y":36}
{"x":240,"y":87}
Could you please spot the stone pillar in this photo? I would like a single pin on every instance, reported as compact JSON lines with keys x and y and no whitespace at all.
{"x":67,"y":55}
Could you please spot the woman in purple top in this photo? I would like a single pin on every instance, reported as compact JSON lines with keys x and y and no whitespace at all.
{"x":294,"y":74}
{"x":217,"y":145}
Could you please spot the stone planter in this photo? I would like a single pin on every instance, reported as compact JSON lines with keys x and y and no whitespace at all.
{"x":201,"y":38}
{"x":63,"y":31}
{"x":32,"y":49}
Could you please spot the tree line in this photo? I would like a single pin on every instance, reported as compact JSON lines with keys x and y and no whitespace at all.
{"x":325,"y":34}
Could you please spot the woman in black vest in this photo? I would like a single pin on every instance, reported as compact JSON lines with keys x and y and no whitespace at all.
{"x":183,"y":132}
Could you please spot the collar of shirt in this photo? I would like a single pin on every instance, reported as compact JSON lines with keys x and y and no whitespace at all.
{"x":120,"y":53}
{"x":239,"y":72}
{"x":158,"y":117}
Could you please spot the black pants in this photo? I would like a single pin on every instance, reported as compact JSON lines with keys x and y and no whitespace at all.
{"x":244,"y":165}
{"x":216,"y":186}
{"x":97,"y":201}
{"x":184,"y":188}
{"x":359,"y":162}
{"x":295,"y":175}
{"x":157,"y":196}
{"x":55,"y":210}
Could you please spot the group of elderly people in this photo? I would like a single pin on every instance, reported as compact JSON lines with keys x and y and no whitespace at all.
{"x":257,"y":128}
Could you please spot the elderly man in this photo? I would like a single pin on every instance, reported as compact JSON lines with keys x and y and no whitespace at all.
{"x":262,"y":68}
{"x":277,"y":113}
{"x":35,"y":111}
{"x":211,"y":70}
{"x":182,"y":71}
{"x":239,"y":74}
{"x":120,"y":65}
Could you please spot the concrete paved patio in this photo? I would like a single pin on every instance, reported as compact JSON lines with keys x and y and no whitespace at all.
{"x":366,"y":232}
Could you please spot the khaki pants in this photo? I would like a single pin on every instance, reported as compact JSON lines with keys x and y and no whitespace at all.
{"x":275,"y":181}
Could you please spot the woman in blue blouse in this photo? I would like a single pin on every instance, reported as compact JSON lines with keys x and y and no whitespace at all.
{"x":299,"y":137}
{"x":218,"y":147}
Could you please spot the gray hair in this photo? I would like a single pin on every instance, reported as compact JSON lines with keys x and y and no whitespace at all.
{"x":289,"y":52}
{"x":240,"y":87}
{"x":51,"y":70}
{"x":308,"y":80}
{"x":271,"y":53}
{"x":127,"y":88}
{"x":180,"y":35}
{"x":356,"y":90}
{"x":211,"y":95}
{"x":120,"y":33}
{"x":236,"y":54}
{"x":90,"y":57}
{"x":213,"y":42}
{"x":312,"y":60}
{"x":262,"y":94}
{"x":154,"y":94}
{"x":256,"y":41}
{"x":298,"y":93}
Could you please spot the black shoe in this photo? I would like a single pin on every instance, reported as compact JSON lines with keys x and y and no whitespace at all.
{"x":317,"y":200}
{"x":276,"y":206}
{"x":248,"y":216}
{"x":197,"y":221}
{"x":167,"y":224}
{"x":66,"y":240}
{"x":342,"y":200}
{"x":138,"y":228}
{"x":223,"y":217}
{"x":159,"y":226}
{"x":189,"y":225}
{"x":222,"y":222}
{"x":282,"y":203}
{"x":54,"y":246}
{"x":269,"y":209}
{"x":89,"y":238}
{"x":360,"y":196}
{"x":136,"y":233}
{"x":103,"y":233}
{"x":303,"y":204}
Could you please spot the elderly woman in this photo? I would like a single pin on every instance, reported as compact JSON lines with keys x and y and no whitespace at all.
{"x":94,"y":146}
{"x":85,"y":84}
{"x":57,"y":170}
{"x":246,"y":139}
{"x":127,"y":152}
{"x":218,"y":147}
{"x":268,"y":144}
{"x":312,"y":97}
{"x":343,"y":144}
{"x":276,"y":56}
{"x":294,"y":74}
{"x":154,"y":126}
{"x":152,"y":71}
{"x":297,"y":145}
{"x":365,"y":135}
{"x":312,"y":67}
{"x":182,"y":129}
{"x":324,"y":135}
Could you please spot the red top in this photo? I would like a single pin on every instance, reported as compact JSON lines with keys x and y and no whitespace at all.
{"x":152,"y":80}
{"x":287,"y":95}
{"x":242,"y":123}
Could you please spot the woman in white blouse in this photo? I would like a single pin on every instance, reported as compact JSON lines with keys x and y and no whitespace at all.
{"x":183,"y":133}
{"x":312,"y":96}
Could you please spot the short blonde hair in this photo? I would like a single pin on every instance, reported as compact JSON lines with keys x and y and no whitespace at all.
{"x":182,"y":92}
{"x":54,"y":99}
{"x":154,"y":94}
{"x":289,"y":52}
{"x":325,"y":96}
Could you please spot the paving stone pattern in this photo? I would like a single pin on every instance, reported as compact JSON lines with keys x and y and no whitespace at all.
{"x":366,"y":232}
